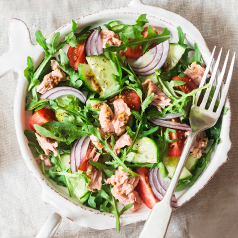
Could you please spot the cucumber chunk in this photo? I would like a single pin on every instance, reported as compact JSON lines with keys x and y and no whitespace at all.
{"x":89,"y":78}
{"x":65,"y":159}
{"x":176,"y":51}
{"x":119,"y":28}
{"x":152,"y":77}
{"x":191,"y":162}
{"x":148,"y":151}
{"x":103,"y":70}
{"x":171,"y":164}
{"x":113,"y":23}
{"x":79,"y":187}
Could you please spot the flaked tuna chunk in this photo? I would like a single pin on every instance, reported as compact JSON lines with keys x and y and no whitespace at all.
{"x":110,"y":37}
{"x":95,"y":180}
{"x":124,"y":199}
{"x":47,"y":144}
{"x":160,"y":100}
{"x":94,"y":175}
{"x":106,"y":118}
{"x":123,"y":189}
{"x":43,"y":158}
{"x":96,"y":141}
{"x":195,"y":72}
{"x":121,"y":116}
{"x":51,"y":80}
{"x":200,"y":145}
{"x":123,"y":141}
{"x":54,"y":65}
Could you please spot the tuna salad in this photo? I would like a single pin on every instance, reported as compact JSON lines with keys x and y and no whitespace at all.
{"x":109,"y":115}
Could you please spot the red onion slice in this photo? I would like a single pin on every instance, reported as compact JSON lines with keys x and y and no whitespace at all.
{"x":99,"y":44}
{"x":85,"y":147}
{"x":169,"y":124}
{"x":145,"y":60}
{"x":159,"y":186}
{"x":87,"y":47}
{"x":156,"y":63}
{"x":171,"y":116}
{"x":78,"y":152}
{"x":93,"y":45}
{"x":62,"y":91}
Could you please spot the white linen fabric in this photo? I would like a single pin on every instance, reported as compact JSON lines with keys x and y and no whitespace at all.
{"x":212,"y":213}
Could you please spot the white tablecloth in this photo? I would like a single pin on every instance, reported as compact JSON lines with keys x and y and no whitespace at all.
{"x":212,"y":213}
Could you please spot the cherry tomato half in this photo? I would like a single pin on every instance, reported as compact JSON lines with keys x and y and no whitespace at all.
{"x":143,"y":188}
{"x":41,"y":116}
{"x":130,"y":97}
{"x":84,"y":162}
{"x":176,"y":148}
{"x":188,"y":86}
{"x":76,"y":55}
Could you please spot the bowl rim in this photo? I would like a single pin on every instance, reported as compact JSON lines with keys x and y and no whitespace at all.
{"x":128,"y":218}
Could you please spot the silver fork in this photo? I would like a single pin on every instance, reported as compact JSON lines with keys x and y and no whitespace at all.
{"x":200,"y":119}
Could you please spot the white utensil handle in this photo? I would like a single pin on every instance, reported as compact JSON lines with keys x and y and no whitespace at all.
{"x":157,"y":223}
{"x":20,"y":47}
{"x":50,"y":226}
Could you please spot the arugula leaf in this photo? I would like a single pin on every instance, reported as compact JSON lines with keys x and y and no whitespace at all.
{"x":60,"y":131}
{"x":147,"y":102}
{"x":31,"y":137}
{"x":103,"y":168}
{"x":36,"y":104}
{"x":74,"y":76}
{"x":50,"y":49}
{"x":29,"y":71}
{"x":198,"y":55}
{"x":181,"y":36}
{"x":152,"y":37}
{"x":141,"y":21}
{"x":149,"y":132}
{"x":75,"y":39}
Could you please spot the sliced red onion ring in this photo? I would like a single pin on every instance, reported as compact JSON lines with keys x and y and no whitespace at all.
{"x":99,"y":44}
{"x":169,"y":124}
{"x":62,"y":91}
{"x":87,"y":47}
{"x":78,"y":152}
{"x":156,"y":61}
{"x":171,"y":116}
{"x":146,"y":60}
{"x":159,"y":186}
{"x":93,"y":45}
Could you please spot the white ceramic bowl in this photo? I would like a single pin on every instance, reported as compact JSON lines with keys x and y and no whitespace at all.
{"x":21,"y":47}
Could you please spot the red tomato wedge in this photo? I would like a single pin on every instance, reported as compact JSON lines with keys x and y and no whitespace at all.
{"x":137,"y":52}
{"x":176,"y":148}
{"x":130,"y":97}
{"x":143,"y":188}
{"x":84,"y":162}
{"x":76,"y":55}
{"x":41,"y":116}
{"x":188,"y":86}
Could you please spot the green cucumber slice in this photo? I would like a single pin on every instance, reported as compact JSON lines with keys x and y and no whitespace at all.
{"x":191,"y":162}
{"x":152,"y":77}
{"x":171,"y":164}
{"x":119,"y":28}
{"x":148,"y":151}
{"x":89,"y":78}
{"x":103,"y":70}
{"x":113,"y":23}
{"x":65,"y":159}
{"x":176,"y":51}
{"x":79,"y":187}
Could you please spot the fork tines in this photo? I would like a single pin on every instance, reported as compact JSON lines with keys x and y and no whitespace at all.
{"x":219,"y":82}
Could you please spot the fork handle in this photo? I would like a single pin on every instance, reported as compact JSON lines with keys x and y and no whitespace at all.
{"x":158,"y":220}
